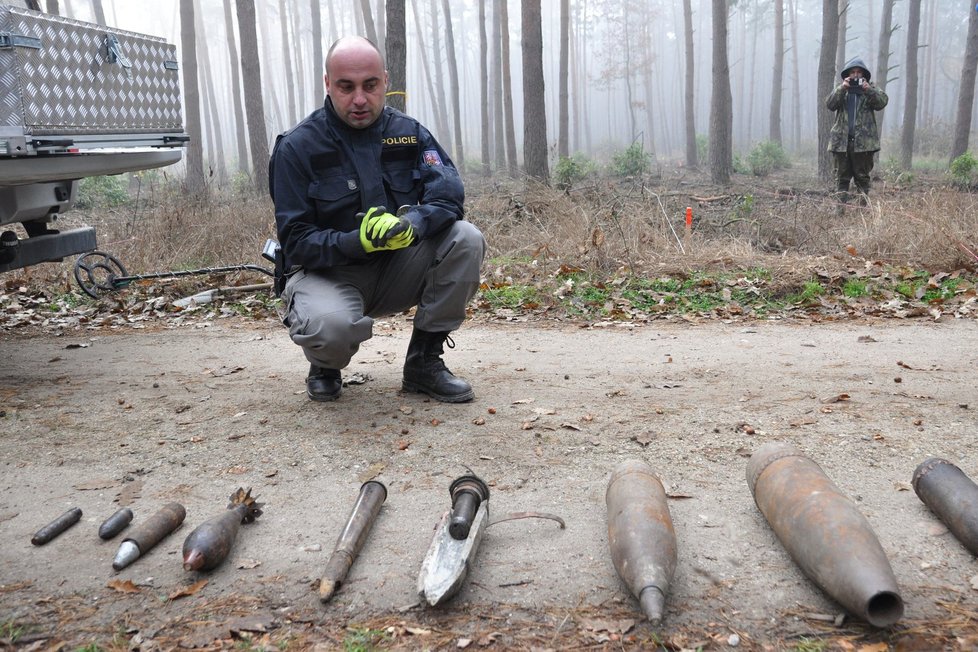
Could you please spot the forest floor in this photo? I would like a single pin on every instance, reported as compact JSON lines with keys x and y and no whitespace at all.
{"x":864,"y":364}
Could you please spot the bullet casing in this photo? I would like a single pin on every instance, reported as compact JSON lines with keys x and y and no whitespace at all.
{"x":823,"y":531}
{"x":348,"y":545}
{"x":640,"y":535}
{"x":115,"y":523}
{"x":952,"y":496}
{"x":57,"y":526}
{"x":157,"y":527}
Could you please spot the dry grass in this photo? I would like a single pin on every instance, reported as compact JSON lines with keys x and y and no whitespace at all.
{"x":608,"y":227}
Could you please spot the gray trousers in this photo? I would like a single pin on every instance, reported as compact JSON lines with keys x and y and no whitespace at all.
{"x":330,"y":312}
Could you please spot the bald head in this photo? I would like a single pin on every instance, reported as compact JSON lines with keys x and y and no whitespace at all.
{"x":356,"y":81}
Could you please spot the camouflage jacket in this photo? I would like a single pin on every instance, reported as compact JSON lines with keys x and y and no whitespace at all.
{"x":867,"y":135}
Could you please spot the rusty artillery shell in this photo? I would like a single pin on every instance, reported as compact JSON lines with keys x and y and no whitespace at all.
{"x":640,"y":535}
{"x":210,"y":542}
{"x":57,"y":526}
{"x":115,"y":524}
{"x":148,"y":534}
{"x":824,"y":532}
{"x":372,"y":496}
{"x":950,"y":494}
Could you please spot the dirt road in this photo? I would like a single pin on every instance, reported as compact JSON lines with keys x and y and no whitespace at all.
{"x":148,"y":416}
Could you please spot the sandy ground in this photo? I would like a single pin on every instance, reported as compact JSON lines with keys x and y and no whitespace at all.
{"x":149,"y":416}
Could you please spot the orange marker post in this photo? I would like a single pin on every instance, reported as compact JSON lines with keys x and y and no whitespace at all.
{"x":689,"y":219}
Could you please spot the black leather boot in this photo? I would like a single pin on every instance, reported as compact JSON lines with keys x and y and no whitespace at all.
{"x":324,"y":384}
{"x":425,"y":372}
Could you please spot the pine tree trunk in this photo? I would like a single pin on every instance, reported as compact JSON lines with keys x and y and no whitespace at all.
{"x":563,"y":122}
{"x":288,"y":50}
{"x":840,"y":44}
{"x":534,"y":107}
{"x":440,"y":127}
{"x":215,"y":139}
{"x":194,"y":181}
{"x":52,"y":7}
{"x":966,"y":91}
{"x":910,"y":102}
{"x":368,"y":21}
{"x":396,"y":54}
{"x":796,"y":82}
{"x":509,"y":127}
{"x":254,"y":104}
{"x":496,"y":89}
{"x":690,"y":108}
{"x":239,"y":118}
{"x":721,"y":115}
{"x":484,"y":88}
{"x":827,"y":73}
{"x":100,"y":13}
{"x":453,"y":83}
{"x":882,"y":73}
{"x":777,"y":74}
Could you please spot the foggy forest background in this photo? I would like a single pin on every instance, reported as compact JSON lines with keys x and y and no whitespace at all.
{"x":615,"y":73}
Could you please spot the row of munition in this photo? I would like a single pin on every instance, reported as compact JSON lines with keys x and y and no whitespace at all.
{"x":822,"y":530}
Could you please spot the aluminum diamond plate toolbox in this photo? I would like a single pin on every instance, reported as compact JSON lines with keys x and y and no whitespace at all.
{"x":68,"y":83}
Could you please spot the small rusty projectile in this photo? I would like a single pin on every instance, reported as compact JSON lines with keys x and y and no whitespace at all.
{"x":448,"y":559}
{"x":115,"y":524}
{"x":640,"y":535}
{"x":211,"y":541}
{"x":372,"y":496}
{"x":147,"y":535}
{"x":824,"y":532}
{"x":57,"y":526}
{"x":952,"y":496}
{"x":467,"y":494}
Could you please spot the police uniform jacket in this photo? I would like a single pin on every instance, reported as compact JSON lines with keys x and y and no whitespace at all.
{"x":323,"y":172}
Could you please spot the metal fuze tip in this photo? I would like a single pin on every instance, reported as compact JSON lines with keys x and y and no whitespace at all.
{"x":653,"y":604}
{"x":128,"y":553}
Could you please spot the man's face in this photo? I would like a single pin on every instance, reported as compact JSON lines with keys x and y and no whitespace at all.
{"x":857,"y":73}
{"x":356,"y":82}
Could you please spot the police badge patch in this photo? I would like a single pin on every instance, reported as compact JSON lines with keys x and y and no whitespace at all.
{"x":431,"y":157}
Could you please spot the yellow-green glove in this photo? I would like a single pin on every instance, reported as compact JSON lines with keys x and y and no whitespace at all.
{"x":381,"y":231}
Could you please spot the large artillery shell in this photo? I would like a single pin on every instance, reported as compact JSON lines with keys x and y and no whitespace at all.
{"x":57,"y":526}
{"x":824,"y":532}
{"x":115,"y":523}
{"x":372,"y":496}
{"x":148,"y":534}
{"x":951,"y":495}
{"x":640,"y":535}
{"x":210,"y":542}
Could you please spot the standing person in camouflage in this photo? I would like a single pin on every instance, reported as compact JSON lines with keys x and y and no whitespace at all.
{"x":854,"y":137}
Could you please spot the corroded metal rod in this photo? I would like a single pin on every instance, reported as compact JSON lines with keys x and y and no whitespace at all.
{"x":354,"y":535}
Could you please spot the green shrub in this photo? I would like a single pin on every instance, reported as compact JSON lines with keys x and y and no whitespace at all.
{"x":632,"y":162}
{"x":103,"y":192}
{"x":739,"y":166}
{"x":702,"y":148}
{"x":766,"y":157}
{"x":962,"y":169}
{"x":573,"y":169}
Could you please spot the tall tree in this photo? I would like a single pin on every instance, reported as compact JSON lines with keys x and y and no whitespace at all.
{"x":381,"y":14}
{"x":254,"y":105}
{"x":508,"y":126}
{"x":882,"y":72}
{"x":777,"y":74}
{"x":368,"y":21}
{"x":52,"y":7}
{"x":534,"y":102}
{"x":910,"y":101}
{"x":289,"y":49}
{"x":966,"y":92}
{"x":841,"y":30}
{"x":100,"y":13}
{"x":721,"y":104}
{"x":690,"y":107}
{"x":796,"y":77}
{"x":239,"y":118}
{"x":396,"y":54}
{"x":215,"y":140}
{"x":484,"y":87}
{"x":496,"y":88}
{"x":194,"y":181}
{"x":827,"y":73}
{"x":441,"y":127}
{"x":563,"y":121}
{"x":316,"y":17}
{"x":453,"y":82}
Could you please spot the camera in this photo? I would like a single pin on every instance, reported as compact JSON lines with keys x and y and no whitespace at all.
{"x":857,"y":82}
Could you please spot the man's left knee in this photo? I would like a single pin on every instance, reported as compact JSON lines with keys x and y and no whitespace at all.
{"x":467,"y":240}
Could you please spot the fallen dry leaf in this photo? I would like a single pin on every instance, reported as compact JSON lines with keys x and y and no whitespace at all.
{"x":187,"y":590}
{"x":371,"y":472}
{"x":249,"y":563}
{"x":237,"y":469}
{"x":804,"y":421}
{"x":402,"y":444}
{"x":835,"y":399}
{"x":479,"y":421}
{"x":865,"y":339}
{"x":123,"y":586}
